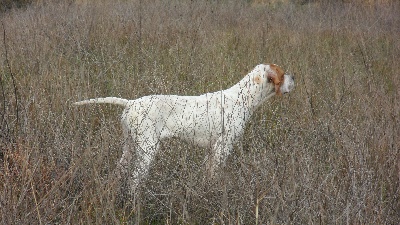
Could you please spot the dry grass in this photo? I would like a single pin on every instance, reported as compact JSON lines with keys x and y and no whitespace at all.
{"x":328,"y":153}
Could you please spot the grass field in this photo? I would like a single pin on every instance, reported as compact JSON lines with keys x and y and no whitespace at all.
{"x":327,"y":153}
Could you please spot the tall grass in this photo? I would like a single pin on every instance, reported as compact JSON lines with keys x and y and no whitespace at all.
{"x":329,"y":152}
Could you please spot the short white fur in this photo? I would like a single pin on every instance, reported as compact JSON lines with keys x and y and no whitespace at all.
{"x":212,"y":120}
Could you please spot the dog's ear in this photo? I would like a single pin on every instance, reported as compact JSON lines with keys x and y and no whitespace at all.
{"x":276,"y":75}
{"x":279,"y":71}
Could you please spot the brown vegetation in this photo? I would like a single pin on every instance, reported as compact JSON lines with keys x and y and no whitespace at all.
{"x":327,"y":153}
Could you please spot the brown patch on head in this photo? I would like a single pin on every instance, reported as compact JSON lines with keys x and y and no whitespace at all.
{"x":257,"y":80}
{"x":276,"y":75}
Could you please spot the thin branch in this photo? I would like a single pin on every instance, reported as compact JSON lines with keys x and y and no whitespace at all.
{"x":3,"y":119}
{"x":12,"y":78}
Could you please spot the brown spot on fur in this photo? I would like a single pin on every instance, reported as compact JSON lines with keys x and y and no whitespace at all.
{"x":257,"y":80}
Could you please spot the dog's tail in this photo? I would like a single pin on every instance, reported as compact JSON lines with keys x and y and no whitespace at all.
{"x":109,"y":100}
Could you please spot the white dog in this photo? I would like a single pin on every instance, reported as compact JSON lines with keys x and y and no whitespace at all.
{"x":215,"y":120}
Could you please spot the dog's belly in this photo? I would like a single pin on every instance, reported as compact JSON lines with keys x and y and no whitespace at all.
{"x":199,"y":134}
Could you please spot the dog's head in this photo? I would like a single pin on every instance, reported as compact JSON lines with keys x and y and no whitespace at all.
{"x":283,"y":83}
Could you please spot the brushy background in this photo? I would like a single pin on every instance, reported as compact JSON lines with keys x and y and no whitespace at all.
{"x":327,"y":153}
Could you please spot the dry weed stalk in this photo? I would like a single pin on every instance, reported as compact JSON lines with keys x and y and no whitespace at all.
{"x":329,"y":153}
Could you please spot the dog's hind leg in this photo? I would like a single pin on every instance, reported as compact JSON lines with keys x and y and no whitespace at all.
{"x":145,"y":153}
{"x":134,"y":165}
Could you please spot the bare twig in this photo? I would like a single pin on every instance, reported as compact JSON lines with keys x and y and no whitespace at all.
{"x":13,"y":80}
{"x":4,"y":97}
{"x":140,"y":53}
{"x":36,"y":202}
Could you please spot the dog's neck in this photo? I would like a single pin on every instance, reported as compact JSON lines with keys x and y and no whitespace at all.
{"x":249,"y":93}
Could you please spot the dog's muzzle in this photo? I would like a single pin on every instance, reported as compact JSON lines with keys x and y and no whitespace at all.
{"x":288,"y":84}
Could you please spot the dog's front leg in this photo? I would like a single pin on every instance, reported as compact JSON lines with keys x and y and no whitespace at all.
{"x":222,"y":148}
